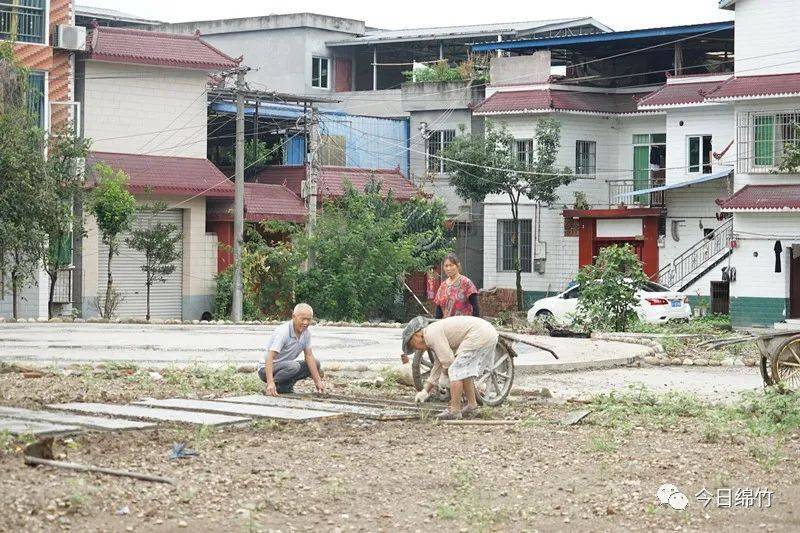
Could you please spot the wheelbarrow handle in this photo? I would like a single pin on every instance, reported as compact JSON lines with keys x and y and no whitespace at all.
{"x":511,"y":338}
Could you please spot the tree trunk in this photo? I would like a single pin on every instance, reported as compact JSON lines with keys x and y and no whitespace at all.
{"x":515,"y":248}
{"x":109,"y":286}
{"x":53,"y":279}
{"x":14,"y":295}
{"x":147,"y":317}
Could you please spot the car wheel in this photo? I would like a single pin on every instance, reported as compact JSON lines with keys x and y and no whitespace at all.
{"x":545,"y":316}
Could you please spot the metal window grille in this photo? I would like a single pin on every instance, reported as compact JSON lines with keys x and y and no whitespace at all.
{"x":505,"y":245}
{"x":523,"y":149}
{"x":319,"y":72}
{"x":763,"y":138}
{"x":437,"y":141}
{"x":585,"y":157}
{"x":36,"y":96}
{"x":22,"y":20}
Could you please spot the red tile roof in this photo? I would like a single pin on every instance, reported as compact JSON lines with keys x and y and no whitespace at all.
{"x":263,"y":201}
{"x":332,"y":179}
{"x":763,"y":198}
{"x":754,"y":86}
{"x":121,"y":45}
{"x":518,"y":102}
{"x":679,"y":94}
{"x":183,"y":176}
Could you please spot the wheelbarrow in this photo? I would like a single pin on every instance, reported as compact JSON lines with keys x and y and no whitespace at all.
{"x":780,"y":356}
{"x":493,"y":386}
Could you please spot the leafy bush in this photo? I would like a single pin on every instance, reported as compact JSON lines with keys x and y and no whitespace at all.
{"x":608,"y":289}
{"x":442,"y":71}
{"x":364,"y":245}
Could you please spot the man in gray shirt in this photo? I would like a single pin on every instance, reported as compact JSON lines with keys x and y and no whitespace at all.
{"x":280,"y":369}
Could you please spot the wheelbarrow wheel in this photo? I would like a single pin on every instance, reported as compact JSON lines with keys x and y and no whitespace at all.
{"x":494,"y":385}
{"x":765,"y":368}
{"x":786,"y":364}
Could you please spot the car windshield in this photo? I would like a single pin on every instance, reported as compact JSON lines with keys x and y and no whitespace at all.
{"x":649,"y":286}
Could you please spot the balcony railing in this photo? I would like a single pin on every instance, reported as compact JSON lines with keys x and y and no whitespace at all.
{"x":653,"y":199}
{"x":63,"y":291}
{"x":23,"y":21}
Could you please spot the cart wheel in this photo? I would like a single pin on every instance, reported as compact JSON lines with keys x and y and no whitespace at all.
{"x":765,"y":371}
{"x":494,"y":385}
{"x":786,"y":364}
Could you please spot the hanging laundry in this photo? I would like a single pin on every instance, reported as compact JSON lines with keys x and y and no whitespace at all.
{"x":778,"y":252}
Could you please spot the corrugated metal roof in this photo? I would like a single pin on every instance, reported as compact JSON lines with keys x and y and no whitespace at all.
{"x":763,"y":198}
{"x":102,"y":13}
{"x":470,"y":31}
{"x":687,"y":183}
{"x":554,"y":42}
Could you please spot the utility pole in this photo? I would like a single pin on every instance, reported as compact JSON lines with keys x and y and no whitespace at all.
{"x":238,"y":202}
{"x":313,"y":174}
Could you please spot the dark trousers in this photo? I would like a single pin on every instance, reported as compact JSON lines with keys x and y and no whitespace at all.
{"x":287,"y":373}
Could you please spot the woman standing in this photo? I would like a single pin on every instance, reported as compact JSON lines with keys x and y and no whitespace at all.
{"x":457,"y":295}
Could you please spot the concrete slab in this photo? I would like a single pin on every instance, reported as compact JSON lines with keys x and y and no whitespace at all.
{"x":16,"y":426}
{"x":292,"y":403}
{"x":148,"y":413}
{"x":277,"y":413}
{"x":575,"y":354}
{"x":91,"y":422}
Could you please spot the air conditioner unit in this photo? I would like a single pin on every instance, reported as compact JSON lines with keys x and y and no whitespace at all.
{"x":70,"y":38}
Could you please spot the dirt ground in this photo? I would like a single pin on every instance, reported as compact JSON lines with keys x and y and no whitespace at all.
{"x":357,"y":475}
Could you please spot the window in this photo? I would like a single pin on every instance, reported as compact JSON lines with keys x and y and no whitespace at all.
{"x":700,"y":154}
{"x":523,"y":149}
{"x":36,"y":100}
{"x":506,"y":244}
{"x":437,"y":141}
{"x":23,"y":20}
{"x":763,"y":139}
{"x":573,"y":294}
{"x":320,"y":77}
{"x":585,"y":157}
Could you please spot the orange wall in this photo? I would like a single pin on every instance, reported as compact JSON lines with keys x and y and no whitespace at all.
{"x":55,"y":62}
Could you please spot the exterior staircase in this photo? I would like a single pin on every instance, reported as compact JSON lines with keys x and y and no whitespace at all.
{"x":698,"y":260}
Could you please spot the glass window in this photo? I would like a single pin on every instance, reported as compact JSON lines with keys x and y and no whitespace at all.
{"x":36,"y":99}
{"x":585,"y":157}
{"x":22,"y":20}
{"x":320,"y":73}
{"x":699,"y":152}
{"x":437,"y":141}
{"x":523,"y":148}
{"x":506,"y":244}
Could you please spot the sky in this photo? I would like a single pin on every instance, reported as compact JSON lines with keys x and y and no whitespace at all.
{"x":618,"y":14}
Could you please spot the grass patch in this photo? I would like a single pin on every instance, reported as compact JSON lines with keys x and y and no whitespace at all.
{"x":604,"y":444}
{"x":758,"y":416}
{"x":468,"y":503}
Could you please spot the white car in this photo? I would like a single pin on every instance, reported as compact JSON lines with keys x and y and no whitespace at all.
{"x":657,"y":305}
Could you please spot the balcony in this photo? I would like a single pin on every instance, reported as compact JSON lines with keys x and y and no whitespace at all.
{"x":653,"y":199}
{"x":22,"y":21}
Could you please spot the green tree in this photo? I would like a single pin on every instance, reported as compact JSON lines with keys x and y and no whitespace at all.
{"x":64,"y":190}
{"x":608,"y":288}
{"x":790,"y":160}
{"x":23,"y":180}
{"x":424,"y":223}
{"x":159,"y":244}
{"x":479,"y":166}
{"x":362,"y":252}
{"x":113,"y":207}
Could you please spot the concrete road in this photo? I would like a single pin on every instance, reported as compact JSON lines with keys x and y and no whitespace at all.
{"x":160,"y":345}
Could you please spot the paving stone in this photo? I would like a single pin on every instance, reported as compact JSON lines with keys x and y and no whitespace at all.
{"x":149,"y":413}
{"x":93,"y":422}
{"x":16,"y":426}
{"x":278,"y":413}
{"x":359,"y":410}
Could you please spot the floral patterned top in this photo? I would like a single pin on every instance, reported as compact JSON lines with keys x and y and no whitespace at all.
{"x":454,"y":298}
